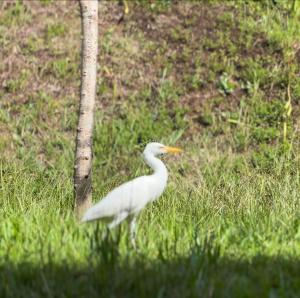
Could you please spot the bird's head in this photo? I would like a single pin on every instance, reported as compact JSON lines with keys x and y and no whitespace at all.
{"x":159,"y":149}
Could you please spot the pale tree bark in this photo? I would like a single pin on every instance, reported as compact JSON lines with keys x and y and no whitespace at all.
{"x":83,"y":154}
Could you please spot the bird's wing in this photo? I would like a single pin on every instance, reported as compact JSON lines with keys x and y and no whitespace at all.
{"x":128,"y":197}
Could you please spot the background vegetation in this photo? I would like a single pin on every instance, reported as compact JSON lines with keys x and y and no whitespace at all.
{"x":218,"y":78}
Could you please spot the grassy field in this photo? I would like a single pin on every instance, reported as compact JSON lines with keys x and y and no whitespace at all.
{"x":219,"y":79}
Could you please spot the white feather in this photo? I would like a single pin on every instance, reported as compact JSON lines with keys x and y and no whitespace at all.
{"x":133,"y":196}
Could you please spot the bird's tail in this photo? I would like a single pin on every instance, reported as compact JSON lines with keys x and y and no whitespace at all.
{"x":88,"y":216}
{"x":92,"y":214}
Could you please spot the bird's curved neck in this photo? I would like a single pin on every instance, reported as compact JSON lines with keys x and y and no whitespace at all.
{"x":156,"y":165}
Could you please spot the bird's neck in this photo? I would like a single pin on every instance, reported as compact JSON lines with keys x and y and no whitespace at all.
{"x":156,"y":165}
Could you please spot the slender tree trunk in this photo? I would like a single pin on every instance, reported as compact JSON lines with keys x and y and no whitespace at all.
{"x":83,"y":157}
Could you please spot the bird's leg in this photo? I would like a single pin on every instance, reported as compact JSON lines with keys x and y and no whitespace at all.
{"x":119,"y":218}
{"x":133,"y":227}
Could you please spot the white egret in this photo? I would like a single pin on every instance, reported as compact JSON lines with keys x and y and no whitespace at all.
{"x":130,"y":198}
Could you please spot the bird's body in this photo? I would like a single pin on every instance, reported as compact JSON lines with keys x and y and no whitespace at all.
{"x":131,"y":197}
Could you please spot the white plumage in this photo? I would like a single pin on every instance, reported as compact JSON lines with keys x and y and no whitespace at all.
{"x":130,"y":198}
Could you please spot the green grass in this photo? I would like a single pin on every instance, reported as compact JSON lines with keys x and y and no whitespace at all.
{"x":214,"y":83}
{"x":229,"y":230}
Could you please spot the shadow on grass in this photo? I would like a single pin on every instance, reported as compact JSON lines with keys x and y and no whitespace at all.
{"x":201,"y":273}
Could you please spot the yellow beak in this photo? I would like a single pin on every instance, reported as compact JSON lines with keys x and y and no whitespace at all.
{"x":172,"y":149}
